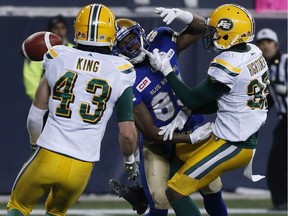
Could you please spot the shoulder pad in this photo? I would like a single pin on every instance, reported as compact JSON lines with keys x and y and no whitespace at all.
{"x":225,"y":63}
{"x":54,"y":51}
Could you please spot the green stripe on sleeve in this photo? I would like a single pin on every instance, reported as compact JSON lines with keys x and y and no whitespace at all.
{"x":224,"y":69}
{"x":129,"y":70}
{"x":124,"y":106}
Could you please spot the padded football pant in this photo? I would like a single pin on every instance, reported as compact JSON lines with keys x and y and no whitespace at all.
{"x":206,"y":163}
{"x":157,"y":174}
{"x":47,"y":172}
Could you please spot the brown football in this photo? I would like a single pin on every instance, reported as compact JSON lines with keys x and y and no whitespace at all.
{"x":37,"y":44}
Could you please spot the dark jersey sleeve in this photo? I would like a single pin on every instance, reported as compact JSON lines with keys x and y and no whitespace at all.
{"x":124,"y":106}
{"x":205,"y":94}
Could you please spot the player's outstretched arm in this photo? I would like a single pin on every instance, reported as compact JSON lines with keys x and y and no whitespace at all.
{"x":193,"y":32}
{"x":195,"y":25}
{"x":127,"y":132}
{"x":204,"y":94}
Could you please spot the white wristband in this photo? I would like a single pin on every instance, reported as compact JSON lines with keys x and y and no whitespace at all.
{"x":129,"y":159}
{"x":187,"y":17}
{"x":167,"y":70}
{"x":35,"y":123}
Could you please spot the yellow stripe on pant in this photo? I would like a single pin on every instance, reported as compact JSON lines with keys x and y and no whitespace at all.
{"x":64,"y":178}
{"x":206,"y":163}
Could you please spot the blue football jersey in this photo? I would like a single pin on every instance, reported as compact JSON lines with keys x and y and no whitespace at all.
{"x":151,"y":87}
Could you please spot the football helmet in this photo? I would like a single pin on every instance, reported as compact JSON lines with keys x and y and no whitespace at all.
{"x":95,"y":26}
{"x":228,"y":25}
{"x":127,"y":27}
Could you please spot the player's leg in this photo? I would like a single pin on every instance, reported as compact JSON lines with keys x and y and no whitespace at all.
{"x":71,"y":179}
{"x":212,"y":196}
{"x":205,"y":165}
{"x":154,"y":177}
{"x":30,"y":185}
{"x":213,"y":200}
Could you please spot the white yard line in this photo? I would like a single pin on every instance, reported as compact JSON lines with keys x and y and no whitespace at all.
{"x":103,"y":212}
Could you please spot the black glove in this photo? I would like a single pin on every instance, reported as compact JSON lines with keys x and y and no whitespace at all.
{"x":132,"y":170}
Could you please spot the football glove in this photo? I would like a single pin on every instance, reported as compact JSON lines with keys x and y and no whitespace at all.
{"x":170,"y":14}
{"x":132,"y":170}
{"x":177,"y":123}
{"x":201,"y":133}
{"x":160,"y":60}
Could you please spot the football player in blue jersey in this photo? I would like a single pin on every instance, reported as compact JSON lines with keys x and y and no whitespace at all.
{"x":155,"y":106}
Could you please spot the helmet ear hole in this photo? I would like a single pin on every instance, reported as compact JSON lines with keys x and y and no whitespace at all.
{"x":225,"y":37}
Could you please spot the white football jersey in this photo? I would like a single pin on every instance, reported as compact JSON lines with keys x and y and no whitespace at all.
{"x":243,"y":110}
{"x":84,"y":89}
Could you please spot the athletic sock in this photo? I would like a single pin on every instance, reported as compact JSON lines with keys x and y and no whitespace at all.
{"x":214,"y":204}
{"x":185,"y":207}
{"x":157,"y":212}
{"x":14,"y":212}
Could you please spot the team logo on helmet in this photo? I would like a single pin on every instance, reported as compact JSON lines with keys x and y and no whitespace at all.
{"x":225,"y":24}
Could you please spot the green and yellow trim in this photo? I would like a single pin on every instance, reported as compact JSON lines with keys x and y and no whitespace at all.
{"x":126,"y":68}
{"x":225,"y":66}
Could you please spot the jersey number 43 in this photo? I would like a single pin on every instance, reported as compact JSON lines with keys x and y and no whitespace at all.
{"x":63,"y":91}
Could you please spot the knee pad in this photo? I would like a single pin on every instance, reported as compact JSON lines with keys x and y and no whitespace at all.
{"x":214,"y":187}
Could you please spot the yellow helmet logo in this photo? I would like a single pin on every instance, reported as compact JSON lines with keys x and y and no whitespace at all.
{"x":225,"y":24}
{"x":95,"y":26}
{"x":233,"y":24}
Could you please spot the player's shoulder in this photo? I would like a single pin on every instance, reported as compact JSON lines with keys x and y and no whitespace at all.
{"x":121,"y":64}
{"x":159,"y":33}
{"x":234,"y":60}
{"x":58,"y":50}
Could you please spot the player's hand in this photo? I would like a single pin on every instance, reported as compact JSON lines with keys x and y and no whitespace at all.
{"x":201,"y":133}
{"x":177,"y":123}
{"x":160,"y":60}
{"x":132,"y":170}
{"x":170,"y":14}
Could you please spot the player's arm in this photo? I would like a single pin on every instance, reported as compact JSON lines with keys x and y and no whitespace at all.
{"x":127,"y":132}
{"x":195,"y":25}
{"x":205,"y":94}
{"x":202,"y":96}
{"x":145,"y":124}
{"x":191,"y":33}
{"x":37,"y":111}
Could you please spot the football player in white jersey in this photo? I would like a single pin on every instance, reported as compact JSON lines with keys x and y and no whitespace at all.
{"x":236,"y":88}
{"x":80,"y":88}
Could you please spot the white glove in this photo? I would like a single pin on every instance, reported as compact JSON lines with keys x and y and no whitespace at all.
{"x":177,"y":123}
{"x":201,"y":133}
{"x":160,"y":61}
{"x":174,"y":13}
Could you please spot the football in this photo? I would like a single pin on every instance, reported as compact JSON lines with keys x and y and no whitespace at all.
{"x":37,"y":44}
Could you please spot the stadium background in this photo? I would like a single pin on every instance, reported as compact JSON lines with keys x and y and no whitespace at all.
{"x":19,"y":19}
